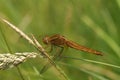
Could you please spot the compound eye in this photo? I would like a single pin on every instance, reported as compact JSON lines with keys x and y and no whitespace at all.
{"x":45,"y":40}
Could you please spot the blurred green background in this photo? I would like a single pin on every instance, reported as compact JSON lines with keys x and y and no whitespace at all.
{"x":93,"y":23}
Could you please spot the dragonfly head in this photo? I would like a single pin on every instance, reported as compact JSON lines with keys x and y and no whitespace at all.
{"x":46,"y":40}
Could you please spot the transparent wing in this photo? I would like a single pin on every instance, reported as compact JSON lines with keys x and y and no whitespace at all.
{"x":56,"y":57}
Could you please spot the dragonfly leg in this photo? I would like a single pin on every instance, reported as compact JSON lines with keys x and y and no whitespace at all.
{"x":58,"y":54}
{"x":51,"y":48}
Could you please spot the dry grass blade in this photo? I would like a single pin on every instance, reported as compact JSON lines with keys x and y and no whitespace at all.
{"x":36,"y":44}
{"x":18,"y":31}
{"x":8,"y":60}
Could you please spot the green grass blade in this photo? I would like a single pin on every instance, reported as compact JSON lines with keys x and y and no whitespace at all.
{"x":97,"y":62}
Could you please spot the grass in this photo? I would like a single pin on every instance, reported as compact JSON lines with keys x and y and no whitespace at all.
{"x":92,"y":23}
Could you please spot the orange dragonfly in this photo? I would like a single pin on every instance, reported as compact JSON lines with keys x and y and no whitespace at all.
{"x":61,"y":41}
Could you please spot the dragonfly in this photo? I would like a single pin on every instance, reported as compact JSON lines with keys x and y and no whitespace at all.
{"x":61,"y":41}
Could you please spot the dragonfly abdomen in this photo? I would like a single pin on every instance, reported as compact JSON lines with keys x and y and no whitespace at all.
{"x":82,"y":48}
